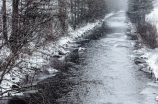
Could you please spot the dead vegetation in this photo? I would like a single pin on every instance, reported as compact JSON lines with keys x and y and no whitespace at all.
{"x":31,"y":27}
{"x":148,"y":34}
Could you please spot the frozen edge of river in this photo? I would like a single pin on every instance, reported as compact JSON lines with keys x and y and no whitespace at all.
{"x":147,"y":61}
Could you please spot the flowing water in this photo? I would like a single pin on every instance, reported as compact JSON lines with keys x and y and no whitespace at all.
{"x":107,"y":73}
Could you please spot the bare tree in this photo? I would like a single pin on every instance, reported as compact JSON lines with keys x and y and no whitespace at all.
{"x":4,"y":20}
{"x":40,"y":22}
{"x":14,"y":38}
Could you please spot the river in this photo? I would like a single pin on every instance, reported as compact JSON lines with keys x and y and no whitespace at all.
{"x":107,"y":73}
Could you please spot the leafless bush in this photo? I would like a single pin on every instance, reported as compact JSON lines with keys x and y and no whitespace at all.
{"x":33,"y":24}
{"x":148,"y":34}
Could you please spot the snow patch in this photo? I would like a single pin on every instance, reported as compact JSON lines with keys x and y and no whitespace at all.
{"x":153,"y":16}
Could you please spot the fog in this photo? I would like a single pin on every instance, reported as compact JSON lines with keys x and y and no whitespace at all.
{"x":116,"y":5}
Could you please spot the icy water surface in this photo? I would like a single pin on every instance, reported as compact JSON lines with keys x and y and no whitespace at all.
{"x":107,"y":74}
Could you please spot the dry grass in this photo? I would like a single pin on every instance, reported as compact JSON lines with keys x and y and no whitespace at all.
{"x":148,"y":34}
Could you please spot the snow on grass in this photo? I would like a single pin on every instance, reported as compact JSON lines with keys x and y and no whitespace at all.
{"x":73,"y":34}
{"x":150,"y":56}
{"x":4,"y":53}
{"x":28,"y":66}
{"x":153,"y":16}
{"x":152,"y":60}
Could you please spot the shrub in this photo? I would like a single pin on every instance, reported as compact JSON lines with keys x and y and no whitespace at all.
{"x":148,"y":34}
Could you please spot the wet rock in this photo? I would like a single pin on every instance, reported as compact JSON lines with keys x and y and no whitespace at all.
{"x":16,"y":100}
{"x":15,"y":87}
{"x":56,"y":56}
{"x":81,"y":50}
{"x":73,"y":56}
{"x":13,"y":78}
{"x":62,"y":53}
{"x":58,"y":64}
{"x":139,"y":61}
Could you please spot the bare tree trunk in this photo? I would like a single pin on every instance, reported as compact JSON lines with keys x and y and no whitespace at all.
{"x":75,"y":15}
{"x":78,"y":11}
{"x":71,"y":5}
{"x":4,"y":21}
{"x":62,"y":15}
{"x":14,"y":38}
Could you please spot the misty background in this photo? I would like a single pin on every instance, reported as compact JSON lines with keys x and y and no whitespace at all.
{"x":116,"y":5}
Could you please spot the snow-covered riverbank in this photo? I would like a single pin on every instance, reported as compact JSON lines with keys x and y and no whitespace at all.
{"x":147,"y":58}
{"x":41,"y":58}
